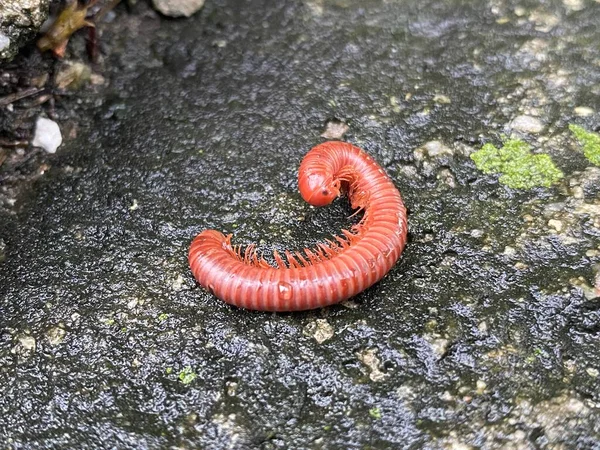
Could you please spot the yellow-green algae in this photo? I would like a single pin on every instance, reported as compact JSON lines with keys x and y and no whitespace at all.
{"x":519,"y":168}
{"x":375,"y":413}
{"x":187,"y":375}
{"x":590,"y":142}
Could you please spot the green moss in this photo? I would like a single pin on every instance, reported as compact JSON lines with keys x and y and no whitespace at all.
{"x":187,"y":375}
{"x":590,"y":142}
{"x":519,"y":168}
{"x":375,"y":413}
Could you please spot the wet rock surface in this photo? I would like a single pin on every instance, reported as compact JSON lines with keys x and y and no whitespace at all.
{"x":485,"y":334}
{"x":20,"y":21}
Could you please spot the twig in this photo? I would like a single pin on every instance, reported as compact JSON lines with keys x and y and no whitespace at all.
{"x":5,"y":143}
{"x":10,"y":98}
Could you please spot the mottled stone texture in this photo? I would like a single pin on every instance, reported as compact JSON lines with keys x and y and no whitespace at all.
{"x":20,"y":21}
{"x":485,"y":335}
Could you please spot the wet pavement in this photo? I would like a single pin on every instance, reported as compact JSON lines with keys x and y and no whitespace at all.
{"x":486,"y":334}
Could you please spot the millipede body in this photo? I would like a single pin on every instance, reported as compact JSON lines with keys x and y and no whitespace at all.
{"x":336,"y":269}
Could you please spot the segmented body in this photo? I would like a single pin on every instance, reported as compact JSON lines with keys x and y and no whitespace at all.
{"x":335,"y":270}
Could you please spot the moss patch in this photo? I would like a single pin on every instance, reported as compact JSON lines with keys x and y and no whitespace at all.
{"x":519,"y":168}
{"x":375,"y":413}
{"x":590,"y":142}
{"x":187,"y":375}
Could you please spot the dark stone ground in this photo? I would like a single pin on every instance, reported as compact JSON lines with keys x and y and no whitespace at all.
{"x":485,"y":335}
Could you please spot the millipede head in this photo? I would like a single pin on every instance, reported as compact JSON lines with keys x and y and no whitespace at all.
{"x":319,"y":190}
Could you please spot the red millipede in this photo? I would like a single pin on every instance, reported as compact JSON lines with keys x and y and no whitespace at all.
{"x":335,"y":270}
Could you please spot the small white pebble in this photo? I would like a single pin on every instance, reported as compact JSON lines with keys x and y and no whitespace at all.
{"x":47,"y":135}
{"x":369,"y":358}
{"x":394,"y":103}
{"x":459,"y":446}
{"x":583,"y":111}
{"x":178,"y":283}
{"x":434,"y":149}
{"x":56,"y":335}
{"x":335,"y":129}
{"x":527,"y":124}
{"x":519,"y":435}
{"x":481,"y":386}
{"x":405,"y":392}
{"x":4,"y":41}
{"x":574,"y":5}
{"x":442,"y":99}
{"x":320,"y":330}
{"x":178,"y":8}
{"x":521,"y":266}
{"x":97,"y":80}
{"x":543,"y":22}
{"x":520,"y":11}
{"x":556,"y":224}
{"x":231,"y":388}
{"x":440,"y":346}
{"x":27,"y":342}
{"x":592,"y":372}
{"x":577,"y":192}
{"x":476,"y":233}
{"x":349,"y":304}
{"x":446,"y":396}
